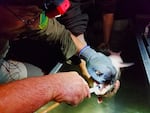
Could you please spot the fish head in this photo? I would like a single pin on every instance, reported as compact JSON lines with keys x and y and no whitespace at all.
{"x":118,"y":63}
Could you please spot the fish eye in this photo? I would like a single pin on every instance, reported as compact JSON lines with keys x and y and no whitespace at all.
{"x":98,"y":73}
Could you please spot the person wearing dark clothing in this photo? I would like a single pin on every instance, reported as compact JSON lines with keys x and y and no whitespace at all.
{"x":93,"y":18}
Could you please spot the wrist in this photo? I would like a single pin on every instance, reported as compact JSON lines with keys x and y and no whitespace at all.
{"x":53,"y":87}
{"x":83,"y":49}
{"x":86,"y":53}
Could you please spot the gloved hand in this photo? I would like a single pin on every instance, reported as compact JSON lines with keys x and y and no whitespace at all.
{"x":98,"y":65}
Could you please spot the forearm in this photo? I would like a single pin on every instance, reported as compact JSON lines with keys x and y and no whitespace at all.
{"x":26,"y":95}
{"x":78,"y":43}
{"x":107,"y":26}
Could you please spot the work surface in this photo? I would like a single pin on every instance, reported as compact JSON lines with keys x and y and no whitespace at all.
{"x":132,"y":97}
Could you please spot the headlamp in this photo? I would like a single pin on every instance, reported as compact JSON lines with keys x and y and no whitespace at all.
{"x":54,"y":8}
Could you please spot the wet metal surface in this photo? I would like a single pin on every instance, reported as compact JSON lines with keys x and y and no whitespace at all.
{"x":145,"y":56}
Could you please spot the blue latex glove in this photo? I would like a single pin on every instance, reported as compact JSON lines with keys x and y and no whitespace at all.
{"x":98,"y":65}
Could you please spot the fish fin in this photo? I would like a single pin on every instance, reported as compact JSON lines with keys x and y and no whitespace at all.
{"x":115,"y":53}
{"x":122,"y":65}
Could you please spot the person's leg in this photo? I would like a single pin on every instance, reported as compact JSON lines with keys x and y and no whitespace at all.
{"x":13,"y":70}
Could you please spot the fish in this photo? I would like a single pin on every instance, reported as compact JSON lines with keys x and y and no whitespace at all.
{"x":106,"y":90}
{"x":118,"y":62}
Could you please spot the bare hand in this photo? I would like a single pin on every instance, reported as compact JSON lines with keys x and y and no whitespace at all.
{"x":70,"y":88}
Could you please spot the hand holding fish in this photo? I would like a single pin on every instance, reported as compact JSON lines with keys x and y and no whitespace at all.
{"x":98,"y":65}
{"x":104,"y":70}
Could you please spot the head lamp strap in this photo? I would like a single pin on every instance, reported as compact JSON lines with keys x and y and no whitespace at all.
{"x":43,"y":20}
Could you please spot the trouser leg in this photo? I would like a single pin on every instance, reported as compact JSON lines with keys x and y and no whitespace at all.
{"x":13,"y":70}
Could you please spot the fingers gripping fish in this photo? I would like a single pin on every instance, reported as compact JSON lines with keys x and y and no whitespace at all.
{"x":104,"y":89}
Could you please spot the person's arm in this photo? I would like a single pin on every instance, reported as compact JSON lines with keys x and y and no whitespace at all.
{"x":78,"y":43}
{"x":99,"y":67}
{"x":27,"y":95}
{"x":75,"y":20}
{"x":108,"y":10}
{"x":107,"y":26}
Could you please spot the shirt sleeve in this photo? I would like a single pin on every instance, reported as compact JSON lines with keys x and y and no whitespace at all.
{"x":54,"y":34}
{"x":74,"y":19}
